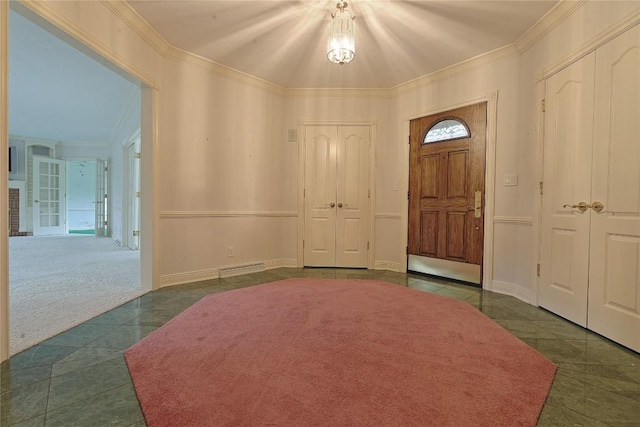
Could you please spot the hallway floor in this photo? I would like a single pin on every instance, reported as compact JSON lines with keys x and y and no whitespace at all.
{"x":79,"y":378}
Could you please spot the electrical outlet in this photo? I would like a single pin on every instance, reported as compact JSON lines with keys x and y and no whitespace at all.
{"x":231,"y":251}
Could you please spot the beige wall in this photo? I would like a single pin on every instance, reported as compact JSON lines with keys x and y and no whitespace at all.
{"x":227,"y":173}
{"x":228,"y":177}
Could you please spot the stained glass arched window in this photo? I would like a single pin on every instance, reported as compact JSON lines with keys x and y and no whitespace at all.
{"x":447,"y":129}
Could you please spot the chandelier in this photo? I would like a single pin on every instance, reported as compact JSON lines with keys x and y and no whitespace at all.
{"x":341,"y":41}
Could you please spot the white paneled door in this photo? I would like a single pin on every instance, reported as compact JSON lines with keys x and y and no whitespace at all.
{"x":568,"y":136}
{"x":48,"y":196}
{"x":102,"y":198}
{"x":614,"y":267}
{"x":590,"y":263}
{"x":336,"y":196}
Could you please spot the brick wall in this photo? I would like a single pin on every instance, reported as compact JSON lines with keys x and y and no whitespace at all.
{"x":14,"y":213}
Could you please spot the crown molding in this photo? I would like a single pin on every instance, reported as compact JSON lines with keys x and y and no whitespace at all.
{"x":180,"y":55}
{"x":547,"y":23}
{"x":501,"y":54}
{"x":132,"y":18}
{"x":381,"y":93}
{"x":140,"y":26}
{"x":129,"y":16}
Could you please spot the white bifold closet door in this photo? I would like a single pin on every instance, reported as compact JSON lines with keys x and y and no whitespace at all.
{"x":336,"y":196}
{"x":590,"y":258}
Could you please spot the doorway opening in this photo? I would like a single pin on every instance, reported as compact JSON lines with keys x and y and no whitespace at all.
{"x":46,"y":199}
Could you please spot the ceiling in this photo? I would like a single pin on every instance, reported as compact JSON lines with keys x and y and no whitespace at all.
{"x":58,"y":93}
{"x":284,"y":42}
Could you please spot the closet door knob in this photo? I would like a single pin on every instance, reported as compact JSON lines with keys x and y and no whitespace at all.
{"x":582,"y":206}
{"x":597,"y":206}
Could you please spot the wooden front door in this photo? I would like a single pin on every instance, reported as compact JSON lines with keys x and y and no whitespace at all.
{"x":336,"y":200}
{"x":446,"y":193}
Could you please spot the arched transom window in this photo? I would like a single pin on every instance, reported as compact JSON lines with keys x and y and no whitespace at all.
{"x":446,"y":130}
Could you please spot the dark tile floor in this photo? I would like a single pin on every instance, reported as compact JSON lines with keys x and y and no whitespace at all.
{"x":79,"y":378}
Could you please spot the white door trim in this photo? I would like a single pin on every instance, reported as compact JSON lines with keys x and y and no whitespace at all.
{"x":4,"y":181}
{"x":302,"y":124}
{"x":491,"y":98}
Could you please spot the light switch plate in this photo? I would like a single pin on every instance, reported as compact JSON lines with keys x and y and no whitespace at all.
{"x":510,"y":179}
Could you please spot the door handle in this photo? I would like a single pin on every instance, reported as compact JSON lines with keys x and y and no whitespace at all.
{"x":597,"y":206}
{"x":341,"y":205}
{"x":331,"y":205}
{"x":582,"y":206}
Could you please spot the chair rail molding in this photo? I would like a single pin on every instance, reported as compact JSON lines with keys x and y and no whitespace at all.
{"x":387,"y":215}
{"x":227,"y":214}
{"x":517,"y":220}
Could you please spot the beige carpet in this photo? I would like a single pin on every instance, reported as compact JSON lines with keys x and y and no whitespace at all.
{"x":57,"y":282}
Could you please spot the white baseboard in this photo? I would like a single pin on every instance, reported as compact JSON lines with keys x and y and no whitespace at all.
{"x":511,"y":289}
{"x":386,"y":265}
{"x":216,"y":273}
{"x":283,"y":262}
{"x":240,"y":270}
{"x":188,"y":277}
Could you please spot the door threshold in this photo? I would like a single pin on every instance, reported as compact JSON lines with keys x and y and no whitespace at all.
{"x":470,"y":273}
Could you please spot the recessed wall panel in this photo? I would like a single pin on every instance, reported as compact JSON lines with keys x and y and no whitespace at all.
{"x":455,"y":235}
{"x":567,"y":142}
{"x":321,"y":164}
{"x":352,"y":171}
{"x":429,"y":233}
{"x":429,"y":182}
{"x":351,"y":234}
{"x":319,"y":240}
{"x":561,"y":250}
{"x":624,"y":134}
{"x":457,"y":174}
{"x":622,"y":287}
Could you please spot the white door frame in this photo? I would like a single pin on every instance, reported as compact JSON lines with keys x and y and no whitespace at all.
{"x":4,"y":180}
{"x":302,"y":124}
{"x":491,"y":98}
{"x":130,"y":185}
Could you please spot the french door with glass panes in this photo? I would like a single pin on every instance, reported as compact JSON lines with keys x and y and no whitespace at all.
{"x":48,"y":196}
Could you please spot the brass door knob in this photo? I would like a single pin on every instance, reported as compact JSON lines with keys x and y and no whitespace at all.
{"x":597,"y":206}
{"x":339,"y":205}
{"x":582,"y":206}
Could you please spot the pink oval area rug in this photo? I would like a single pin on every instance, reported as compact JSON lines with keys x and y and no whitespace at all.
{"x":320,"y":352}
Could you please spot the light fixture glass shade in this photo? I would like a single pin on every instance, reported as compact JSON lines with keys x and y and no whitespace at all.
{"x":341,"y":41}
